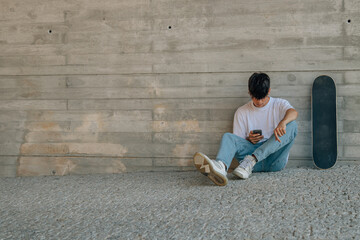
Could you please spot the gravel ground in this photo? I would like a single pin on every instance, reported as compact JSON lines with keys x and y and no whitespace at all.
{"x":295,"y":203}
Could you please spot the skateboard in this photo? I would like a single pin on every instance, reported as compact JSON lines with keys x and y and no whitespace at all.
{"x":324,"y":129}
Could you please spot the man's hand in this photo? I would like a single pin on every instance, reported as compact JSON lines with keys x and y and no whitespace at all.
{"x":280,"y":130}
{"x":254,"y":138}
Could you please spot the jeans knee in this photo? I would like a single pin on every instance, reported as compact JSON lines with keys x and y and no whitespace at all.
{"x":292,"y":126}
{"x":227,"y":135}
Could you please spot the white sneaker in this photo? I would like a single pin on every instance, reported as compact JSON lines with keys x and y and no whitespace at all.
{"x":214,"y":170}
{"x":245,"y":168}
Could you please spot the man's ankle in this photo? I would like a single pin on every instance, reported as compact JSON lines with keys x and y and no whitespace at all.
{"x":222,"y":164}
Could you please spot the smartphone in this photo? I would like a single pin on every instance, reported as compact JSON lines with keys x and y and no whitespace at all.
{"x":258,"y":131}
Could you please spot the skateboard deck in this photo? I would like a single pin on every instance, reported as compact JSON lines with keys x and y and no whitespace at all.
{"x":324,"y":129}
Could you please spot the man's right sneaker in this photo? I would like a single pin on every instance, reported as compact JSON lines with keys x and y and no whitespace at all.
{"x":214,"y":170}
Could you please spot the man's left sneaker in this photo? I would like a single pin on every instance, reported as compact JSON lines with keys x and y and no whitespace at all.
{"x":244,"y":170}
{"x":214,"y":170}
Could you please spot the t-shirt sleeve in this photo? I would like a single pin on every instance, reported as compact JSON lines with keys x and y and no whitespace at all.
{"x":238,"y":125}
{"x":284,"y":105}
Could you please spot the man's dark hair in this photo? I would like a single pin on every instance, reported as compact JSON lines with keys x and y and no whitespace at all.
{"x":259,"y":85}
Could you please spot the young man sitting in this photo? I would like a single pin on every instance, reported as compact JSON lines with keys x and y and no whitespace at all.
{"x":257,"y":151}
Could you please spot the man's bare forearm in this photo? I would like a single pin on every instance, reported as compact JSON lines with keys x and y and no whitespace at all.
{"x":290,"y":115}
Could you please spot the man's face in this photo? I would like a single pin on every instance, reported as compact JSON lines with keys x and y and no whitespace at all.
{"x":261,"y":102}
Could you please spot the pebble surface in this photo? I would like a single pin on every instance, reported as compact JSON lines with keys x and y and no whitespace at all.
{"x":296,"y":203}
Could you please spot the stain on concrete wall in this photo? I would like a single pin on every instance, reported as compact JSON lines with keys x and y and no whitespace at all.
{"x":116,"y":86}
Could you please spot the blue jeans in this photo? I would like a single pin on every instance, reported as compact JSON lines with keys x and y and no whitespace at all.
{"x":271,"y":155}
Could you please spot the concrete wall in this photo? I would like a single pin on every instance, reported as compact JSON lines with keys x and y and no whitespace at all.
{"x":104,"y":87}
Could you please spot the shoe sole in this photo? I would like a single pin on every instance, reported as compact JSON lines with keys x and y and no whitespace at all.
{"x":239,"y":175}
{"x":202,"y":164}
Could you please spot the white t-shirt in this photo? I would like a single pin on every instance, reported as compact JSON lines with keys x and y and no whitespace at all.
{"x":248,"y":117}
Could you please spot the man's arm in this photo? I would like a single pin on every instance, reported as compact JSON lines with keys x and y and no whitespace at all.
{"x":280,"y":130}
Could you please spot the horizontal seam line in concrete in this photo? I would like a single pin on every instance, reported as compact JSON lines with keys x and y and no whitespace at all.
{"x":172,"y":73}
{"x":169,"y":73}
